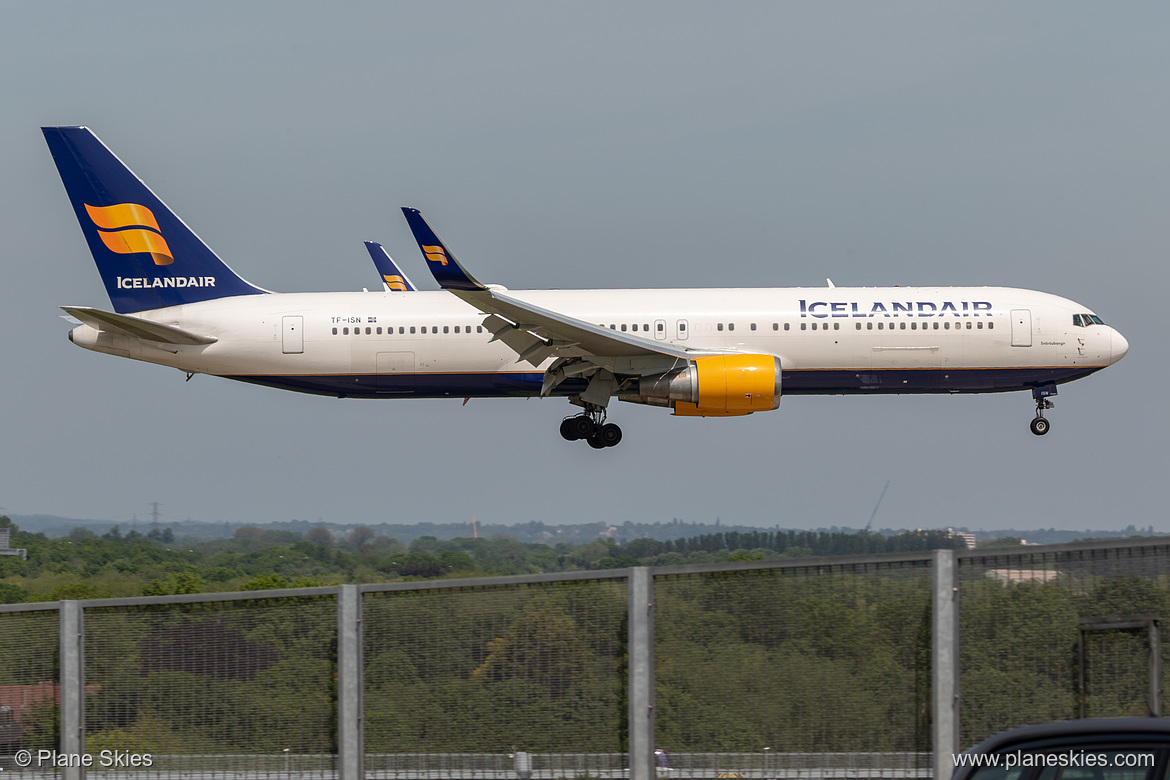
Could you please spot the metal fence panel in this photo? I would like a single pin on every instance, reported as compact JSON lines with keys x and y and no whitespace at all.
{"x":507,"y":669}
{"x":819,"y":659}
{"x":29,"y":690}
{"x":1021,"y":612}
{"x":237,"y":688}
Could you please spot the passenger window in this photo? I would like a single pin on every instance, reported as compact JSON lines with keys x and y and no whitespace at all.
{"x":814,"y":326}
{"x":646,"y":327}
{"x":682,"y":327}
{"x":990,"y":325}
{"x":402,"y":330}
{"x":335,"y":331}
{"x":936,"y":326}
{"x":412,"y":329}
{"x":803,"y":325}
{"x":879,"y":326}
{"x":367,"y":331}
{"x":623,"y":327}
{"x":776,"y":326}
{"x":859,"y":326}
{"x":456,"y":328}
{"x":661,"y":327}
{"x":913,"y":326}
{"x":719,"y":326}
{"x":379,"y":331}
{"x":731,"y":326}
{"x":836,"y":326}
{"x":902,"y":325}
{"x":946,"y":326}
{"x":868,"y":326}
{"x":434,"y":329}
{"x":786,"y":326}
{"x":980,"y":325}
{"x":968,"y":326}
{"x":753,"y":326}
{"x":479,"y":328}
{"x":446,"y":329}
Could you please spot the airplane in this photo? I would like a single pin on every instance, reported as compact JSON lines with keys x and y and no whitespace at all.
{"x":698,"y":352}
{"x":393,"y":280}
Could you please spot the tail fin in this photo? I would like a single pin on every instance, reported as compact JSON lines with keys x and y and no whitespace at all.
{"x":147,"y":256}
{"x":392,"y":277}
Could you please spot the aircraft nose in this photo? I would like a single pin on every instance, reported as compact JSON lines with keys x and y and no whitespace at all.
{"x":1118,"y":346}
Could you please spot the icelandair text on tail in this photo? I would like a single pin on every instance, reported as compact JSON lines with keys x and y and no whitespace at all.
{"x":1065,"y":758}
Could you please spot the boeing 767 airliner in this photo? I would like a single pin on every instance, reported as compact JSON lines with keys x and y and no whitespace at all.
{"x":698,"y":352}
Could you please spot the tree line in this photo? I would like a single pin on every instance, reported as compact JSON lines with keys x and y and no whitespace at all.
{"x":84,"y":564}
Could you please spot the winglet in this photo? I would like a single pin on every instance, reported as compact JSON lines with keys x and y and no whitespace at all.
{"x":444,"y":267}
{"x":392,"y":277}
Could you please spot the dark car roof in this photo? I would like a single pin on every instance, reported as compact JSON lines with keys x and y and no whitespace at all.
{"x":1084,"y":731}
{"x":1094,"y":726}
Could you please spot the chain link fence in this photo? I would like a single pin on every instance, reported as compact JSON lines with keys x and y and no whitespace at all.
{"x":799,"y":659}
{"x":804,"y":669}
{"x":29,"y":693}
{"x":1031,"y":626}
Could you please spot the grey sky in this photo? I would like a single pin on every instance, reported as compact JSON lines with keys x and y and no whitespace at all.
{"x":596,"y":145}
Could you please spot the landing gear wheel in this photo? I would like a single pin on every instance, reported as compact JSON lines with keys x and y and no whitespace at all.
{"x":1039,"y":426}
{"x":595,"y":442}
{"x":568,"y":433}
{"x":581,"y":426}
{"x":610,"y":434}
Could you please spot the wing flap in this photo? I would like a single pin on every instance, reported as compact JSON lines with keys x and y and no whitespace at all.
{"x":136,"y":327}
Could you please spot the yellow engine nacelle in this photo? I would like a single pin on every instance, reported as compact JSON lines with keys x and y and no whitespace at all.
{"x":717,"y":386}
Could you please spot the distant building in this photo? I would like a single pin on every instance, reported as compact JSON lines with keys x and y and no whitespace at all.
{"x":968,"y":539}
{"x":20,"y":700}
{"x":1015,"y":576}
{"x":6,"y":550}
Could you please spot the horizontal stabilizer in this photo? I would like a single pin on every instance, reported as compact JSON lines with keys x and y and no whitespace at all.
{"x":135,"y":326}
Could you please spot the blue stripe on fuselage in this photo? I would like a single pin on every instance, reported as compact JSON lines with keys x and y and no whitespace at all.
{"x":804,"y":382}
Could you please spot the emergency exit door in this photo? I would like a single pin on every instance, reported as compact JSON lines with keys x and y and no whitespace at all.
{"x":294,"y":337}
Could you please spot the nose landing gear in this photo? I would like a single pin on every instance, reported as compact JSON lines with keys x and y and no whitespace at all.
{"x":591,"y":426}
{"x":1040,"y":424}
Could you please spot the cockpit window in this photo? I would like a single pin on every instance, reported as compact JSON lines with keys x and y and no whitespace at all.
{"x":1097,"y":320}
{"x":1077,"y":320}
{"x":1085,"y":320}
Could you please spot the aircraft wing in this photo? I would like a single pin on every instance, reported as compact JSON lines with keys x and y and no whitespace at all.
{"x":536,"y":333}
{"x":136,"y":327}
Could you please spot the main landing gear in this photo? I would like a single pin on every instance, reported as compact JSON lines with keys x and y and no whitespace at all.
{"x":1040,"y":424}
{"x":591,"y":426}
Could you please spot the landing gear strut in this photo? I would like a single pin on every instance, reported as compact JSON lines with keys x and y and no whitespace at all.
{"x":1040,"y":424}
{"x":591,"y":426}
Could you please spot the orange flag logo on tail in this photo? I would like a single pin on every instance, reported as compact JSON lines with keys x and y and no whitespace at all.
{"x":128,"y":228}
{"x":435,"y":254}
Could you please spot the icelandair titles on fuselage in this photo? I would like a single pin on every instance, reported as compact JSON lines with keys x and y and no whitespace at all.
{"x":143,"y":282}
{"x":824,"y":309}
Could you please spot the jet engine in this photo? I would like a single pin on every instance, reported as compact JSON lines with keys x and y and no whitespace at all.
{"x":716,"y":386}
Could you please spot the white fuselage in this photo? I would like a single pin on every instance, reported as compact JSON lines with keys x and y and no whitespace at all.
{"x":829,"y":340}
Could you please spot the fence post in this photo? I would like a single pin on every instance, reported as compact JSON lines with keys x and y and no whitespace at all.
{"x":642,"y":681}
{"x":72,"y":686}
{"x":350,"y":709}
{"x":945,"y":662}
